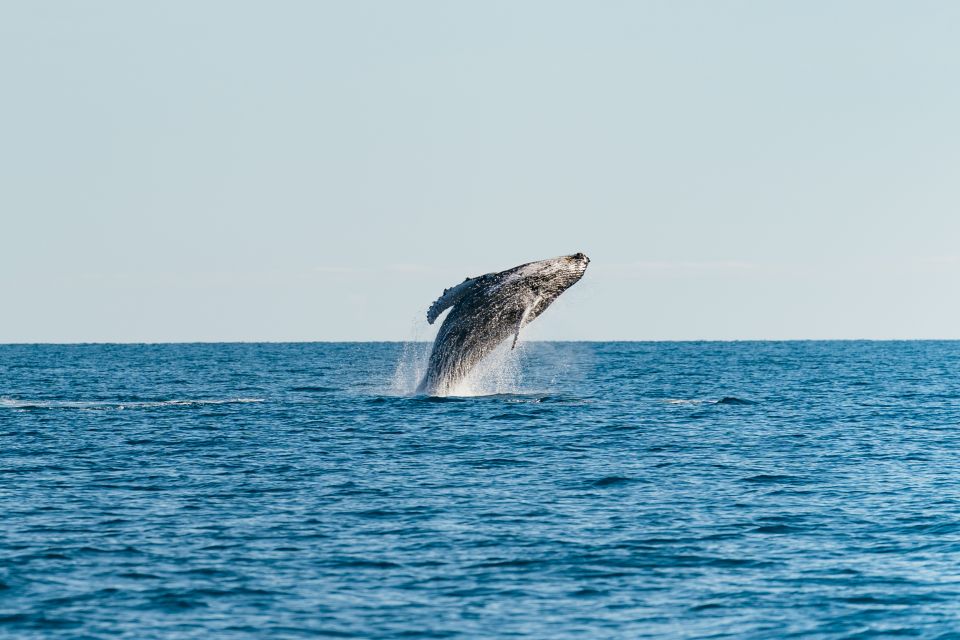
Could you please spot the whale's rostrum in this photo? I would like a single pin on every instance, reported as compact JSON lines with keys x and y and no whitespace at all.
{"x":488,"y":309}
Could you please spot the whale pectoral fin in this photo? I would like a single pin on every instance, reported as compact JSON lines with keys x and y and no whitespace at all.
{"x":448,"y":298}
{"x":523,"y":320}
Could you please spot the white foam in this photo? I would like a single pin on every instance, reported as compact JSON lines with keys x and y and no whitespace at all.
{"x":498,"y":373}
{"x":410,"y":369}
{"x":12,"y":403}
{"x":501,"y":372}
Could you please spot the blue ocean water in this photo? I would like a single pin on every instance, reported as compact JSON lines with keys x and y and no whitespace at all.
{"x":610,"y":490}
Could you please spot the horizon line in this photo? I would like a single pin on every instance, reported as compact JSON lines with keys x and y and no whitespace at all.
{"x":574,"y":341}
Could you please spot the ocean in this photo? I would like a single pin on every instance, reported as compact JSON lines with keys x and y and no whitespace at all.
{"x":585,"y":490}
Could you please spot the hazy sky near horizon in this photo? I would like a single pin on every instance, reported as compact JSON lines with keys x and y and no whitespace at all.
{"x":183,"y":171}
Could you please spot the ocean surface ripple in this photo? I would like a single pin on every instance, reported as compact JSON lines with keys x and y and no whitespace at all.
{"x":641,"y":490}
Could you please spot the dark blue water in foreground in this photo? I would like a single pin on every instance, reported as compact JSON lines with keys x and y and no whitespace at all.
{"x":250,"y":491}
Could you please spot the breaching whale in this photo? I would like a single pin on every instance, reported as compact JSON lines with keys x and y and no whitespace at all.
{"x":486,"y":310}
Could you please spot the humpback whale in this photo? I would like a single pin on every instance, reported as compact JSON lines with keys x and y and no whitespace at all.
{"x":486,"y":310}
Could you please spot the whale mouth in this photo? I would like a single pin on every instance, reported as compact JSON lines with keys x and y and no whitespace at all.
{"x":578,"y":261}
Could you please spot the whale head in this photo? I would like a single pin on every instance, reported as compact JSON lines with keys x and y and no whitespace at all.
{"x":546,"y":279}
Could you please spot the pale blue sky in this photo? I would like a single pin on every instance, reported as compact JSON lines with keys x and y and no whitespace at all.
{"x":321,"y":171}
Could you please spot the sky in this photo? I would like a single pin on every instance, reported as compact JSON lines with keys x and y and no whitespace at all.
{"x":207,"y":171}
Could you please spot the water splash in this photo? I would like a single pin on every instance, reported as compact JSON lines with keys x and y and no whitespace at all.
{"x":501,"y":372}
{"x":411,"y":367}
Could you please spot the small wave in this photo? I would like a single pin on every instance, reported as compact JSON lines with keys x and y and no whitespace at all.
{"x":366,"y":563}
{"x":613,"y":481}
{"x":774,"y":478}
{"x":731,"y":400}
{"x":777,"y":529}
{"x":734,"y":401}
{"x":511,"y":416}
{"x":11,"y":403}
{"x":513,"y":400}
{"x":486,"y":463}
